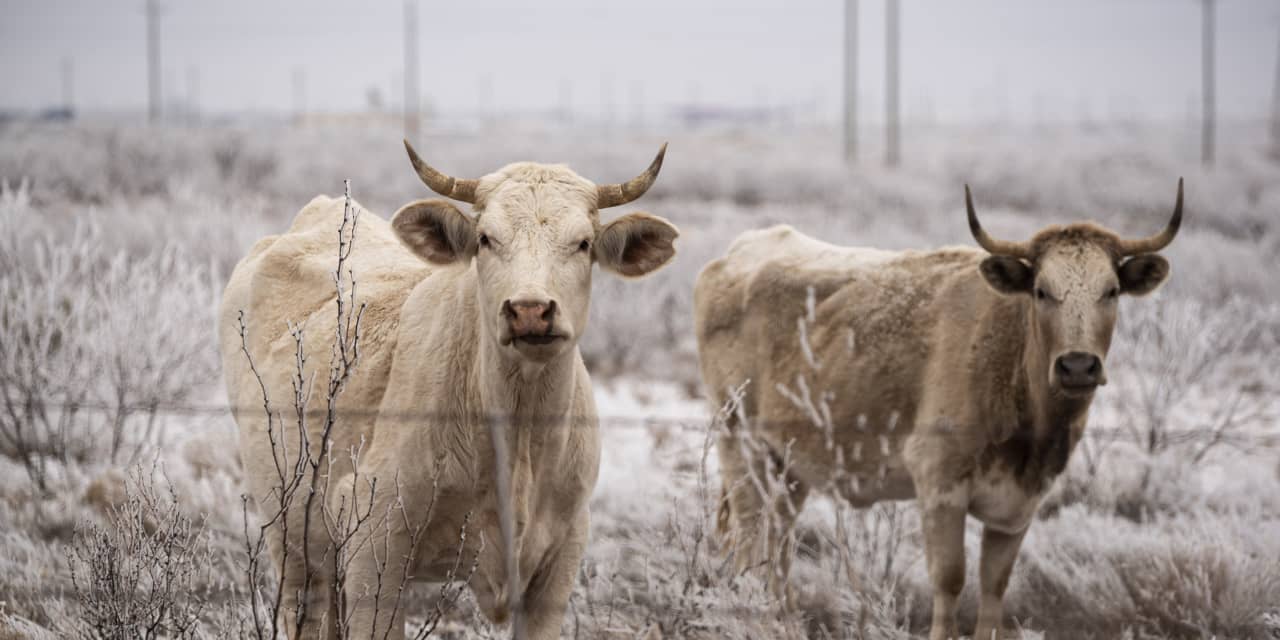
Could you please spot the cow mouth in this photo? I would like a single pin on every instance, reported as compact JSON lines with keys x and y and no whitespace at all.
{"x":1077,"y":390}
{"x":539,"y":339}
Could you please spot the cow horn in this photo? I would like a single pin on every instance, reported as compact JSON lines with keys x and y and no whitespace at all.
{"x":612,"y":195}
{"x":1160,"y":240}
{"x":996,"y":247}
{"x":443,"y":184}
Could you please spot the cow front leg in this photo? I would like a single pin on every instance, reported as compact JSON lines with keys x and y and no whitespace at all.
{"x":377,"y":569}
{"x":999,"y":552}
{"x":547,"y":596}
{"x":942,"y":516}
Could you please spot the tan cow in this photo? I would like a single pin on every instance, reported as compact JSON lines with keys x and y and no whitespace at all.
{"x":471,"y":322}
{"x":958,"y":377}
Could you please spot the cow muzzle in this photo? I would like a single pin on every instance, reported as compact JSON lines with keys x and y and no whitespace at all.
{"x":1078,"y":373}
{"x":531,"y":322}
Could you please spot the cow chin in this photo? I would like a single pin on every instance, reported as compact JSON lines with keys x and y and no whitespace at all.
{"x":1081,"y":391}
{"x":1074,"y":391}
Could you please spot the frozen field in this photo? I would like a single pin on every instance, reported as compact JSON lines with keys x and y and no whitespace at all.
{"x":115,"y":242}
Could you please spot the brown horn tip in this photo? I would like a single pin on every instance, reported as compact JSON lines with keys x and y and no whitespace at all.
{"x":446,"y":185}
{"x":984,"y":239}
{"x":1160,"y":240}
{"x":612,"y":195}
{"x":974,"y":227}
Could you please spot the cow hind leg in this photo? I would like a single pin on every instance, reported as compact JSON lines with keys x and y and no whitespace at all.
{"x":759,"y":504}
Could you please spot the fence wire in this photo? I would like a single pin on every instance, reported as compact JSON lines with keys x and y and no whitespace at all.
{"x":695,"y":423}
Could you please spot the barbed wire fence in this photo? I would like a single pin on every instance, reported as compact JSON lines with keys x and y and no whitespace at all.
{"x":690,"y":422}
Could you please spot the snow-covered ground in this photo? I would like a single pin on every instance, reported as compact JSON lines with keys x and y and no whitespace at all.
{"x":115,"y":242}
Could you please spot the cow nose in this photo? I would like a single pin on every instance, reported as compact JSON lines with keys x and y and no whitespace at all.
{"x":1078,"y":369}
{"x":529,"y":317}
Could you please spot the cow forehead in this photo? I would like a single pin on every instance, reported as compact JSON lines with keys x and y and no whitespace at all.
{"x":1076,"y":262}
{"x":529,"y":192}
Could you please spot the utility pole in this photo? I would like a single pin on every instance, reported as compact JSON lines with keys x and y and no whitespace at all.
{"x":68,"y":85}
{"x":153,"y":61}
{"x":566,"y":100}
{"x":850,"y":81}
{"x":410,"y":69}
{"x":1275,"y":110}
{"x":637,"y":104}
{"x":1207,"y":83}
{"x":607,"y":107}
{"x":300,"y":94}
{"x":892,"y":155}
{"x":485,"y":105}
{"x":193,"y":94}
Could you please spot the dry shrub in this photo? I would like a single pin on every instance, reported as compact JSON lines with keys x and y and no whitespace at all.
{"x":146,"y":572}
{"x":1175,"y":577}
{"x":91,"y":336}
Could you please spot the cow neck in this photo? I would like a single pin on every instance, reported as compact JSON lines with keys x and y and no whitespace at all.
{"x":1049,"y":412}
{"x":1042,"y":441}
{"x":524,"y":394}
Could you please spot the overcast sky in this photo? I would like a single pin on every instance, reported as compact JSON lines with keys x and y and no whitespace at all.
{"x":960,"y":60}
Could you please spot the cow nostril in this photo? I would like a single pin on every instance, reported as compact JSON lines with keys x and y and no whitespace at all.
{"x":550,"y":312}
{"x":1079,"y":366}
{"x":508,"y":310}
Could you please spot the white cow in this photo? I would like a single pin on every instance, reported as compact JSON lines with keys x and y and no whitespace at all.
{"x":471,"y":323}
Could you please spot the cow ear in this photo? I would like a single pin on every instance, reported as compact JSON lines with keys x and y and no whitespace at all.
{"x":1007,"y":274}
{"x":436,"y":231}
{"x":636,"y":244}
{"x":1143,"y":274}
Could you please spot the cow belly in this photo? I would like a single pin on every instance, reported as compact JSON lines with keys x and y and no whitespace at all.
{"x":1001,"y":503}
{"x":867,"y":489}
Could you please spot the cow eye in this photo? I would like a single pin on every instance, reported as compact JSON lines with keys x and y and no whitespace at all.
{"x":1113,"y":292}
{"x":1041,"y":295}
{"x":584,"y":246}
{"x":484,"y":240}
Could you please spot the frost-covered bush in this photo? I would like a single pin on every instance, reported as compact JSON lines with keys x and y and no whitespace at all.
{"x":113,"y":255}
{"x":93,"y":342}
{"x":147,"y":571}
{"x":1190,"y":576}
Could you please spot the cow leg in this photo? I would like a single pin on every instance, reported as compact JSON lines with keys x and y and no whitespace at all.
{"x":999,"y":552}
{"x":547,"y":597}
{"x":758,"y":509}
{"x":943,"y":524}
